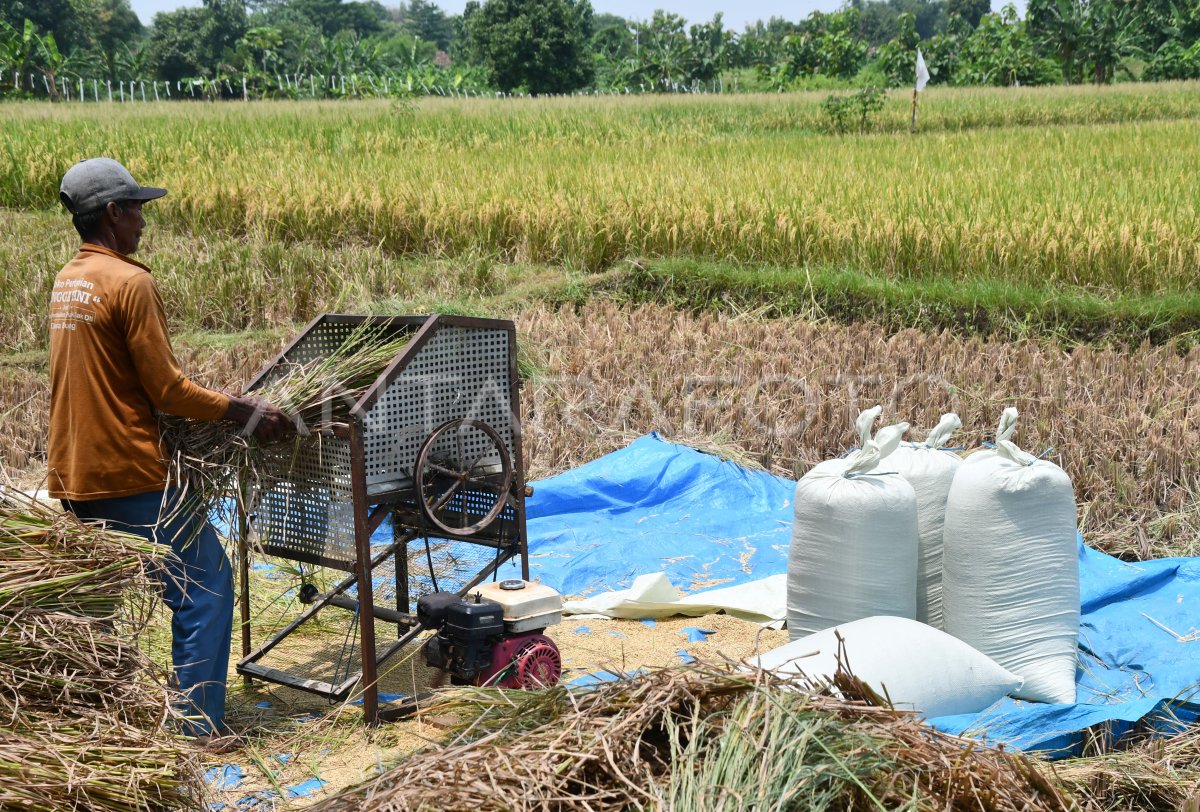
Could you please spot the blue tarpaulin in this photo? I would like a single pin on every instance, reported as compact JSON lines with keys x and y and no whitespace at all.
{"x":658,"y":507}
{"x":655,"y":506}
{"x":707,"y":523}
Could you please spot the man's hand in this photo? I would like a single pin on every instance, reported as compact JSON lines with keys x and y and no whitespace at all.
{"x":259,"y":418}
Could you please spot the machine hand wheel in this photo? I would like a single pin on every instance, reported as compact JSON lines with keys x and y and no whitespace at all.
{"x":456,"y":477}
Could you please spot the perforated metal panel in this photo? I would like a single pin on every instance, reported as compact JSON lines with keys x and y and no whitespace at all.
{"x":452,"y":369}
{"x":323,"y":339}
{"x":306,"y":508}
{"x":461,"y":372}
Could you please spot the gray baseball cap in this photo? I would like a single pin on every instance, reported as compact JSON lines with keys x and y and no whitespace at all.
{"x":94,"y":183}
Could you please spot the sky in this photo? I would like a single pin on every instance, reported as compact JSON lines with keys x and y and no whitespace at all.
{"x":737,"y":13}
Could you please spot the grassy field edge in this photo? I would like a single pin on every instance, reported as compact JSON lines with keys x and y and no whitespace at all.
{"x":982,"y":307}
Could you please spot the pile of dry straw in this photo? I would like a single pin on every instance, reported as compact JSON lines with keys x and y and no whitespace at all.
{"x":700,"y":738}
{"x":83,"y":707}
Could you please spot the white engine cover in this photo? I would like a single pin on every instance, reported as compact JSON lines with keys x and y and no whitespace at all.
{"x":529,"y":606}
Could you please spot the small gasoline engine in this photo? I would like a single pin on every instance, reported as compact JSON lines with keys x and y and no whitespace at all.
{"x":494,"y":635}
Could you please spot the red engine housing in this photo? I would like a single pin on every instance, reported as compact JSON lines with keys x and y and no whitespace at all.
{"x":528,"y":660}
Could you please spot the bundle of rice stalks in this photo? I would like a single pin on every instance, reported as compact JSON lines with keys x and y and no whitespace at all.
{"x":83,"y":707}
{"x":214,"y":459}
{"x":700,"y":738}
{"x":39,"y":674}
{"x":53,"y":563}
{"x":91,"y":765}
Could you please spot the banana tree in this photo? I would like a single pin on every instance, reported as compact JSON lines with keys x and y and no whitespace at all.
{"x":18,"y":49}
{"x":10,"y":53}
{"x":131,"y":62}
{"x":1087,"y":36}
{"x":83,"y":63}
{"x":1058,"y":26}
{"x":1113,"y":34}
{"x":662,"y":51}
{"x":258,"y":52}
{"x":49,"y":61}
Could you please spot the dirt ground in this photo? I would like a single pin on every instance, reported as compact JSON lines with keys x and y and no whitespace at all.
{"x":301,"y":749}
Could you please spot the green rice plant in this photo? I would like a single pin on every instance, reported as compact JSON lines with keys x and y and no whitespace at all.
{"x":995,"y":308}
{"x":1076,"y":187}
{"x":229,"y":283}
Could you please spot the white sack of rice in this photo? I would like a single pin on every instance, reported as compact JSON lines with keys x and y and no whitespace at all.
{"x":929,"y":467}
{"x":914,"y":665}
{"x":1010,"y":565}
{"x":854,"y":540}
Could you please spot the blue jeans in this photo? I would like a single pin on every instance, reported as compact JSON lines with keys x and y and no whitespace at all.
{"x":197,"y":586}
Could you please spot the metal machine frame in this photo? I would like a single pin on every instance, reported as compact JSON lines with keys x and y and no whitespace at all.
{"x":400,"y":455}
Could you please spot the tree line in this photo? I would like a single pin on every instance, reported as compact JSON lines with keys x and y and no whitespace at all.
{"x":280,"y":48}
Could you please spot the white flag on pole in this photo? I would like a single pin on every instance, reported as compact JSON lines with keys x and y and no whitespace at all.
{"x":922,"y":71}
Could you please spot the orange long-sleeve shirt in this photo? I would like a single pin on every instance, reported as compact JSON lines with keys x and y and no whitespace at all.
{"x":111,"y":370}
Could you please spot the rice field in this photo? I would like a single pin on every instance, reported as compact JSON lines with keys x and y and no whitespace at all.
{"x":1029,"y":218}
{"x":995,"y":187}
{"x":720,"y":270}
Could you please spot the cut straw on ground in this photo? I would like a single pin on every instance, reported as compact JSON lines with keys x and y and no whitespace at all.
{"x":701,"y":738}
{"x":86,"y":712}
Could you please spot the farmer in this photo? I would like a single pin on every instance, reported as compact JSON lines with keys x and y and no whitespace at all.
{"x":111,"y":371}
